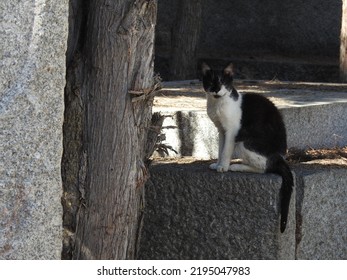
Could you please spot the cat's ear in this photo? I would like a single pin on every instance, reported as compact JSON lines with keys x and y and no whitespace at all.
{"x":205,"y":68}
{"x":229,"y":70}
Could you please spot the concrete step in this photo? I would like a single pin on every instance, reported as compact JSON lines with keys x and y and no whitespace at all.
{"x":194,"y":213}
{"x":315,"y":115}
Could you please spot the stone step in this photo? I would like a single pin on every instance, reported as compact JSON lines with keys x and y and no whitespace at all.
{"x":321,"y":211}
{"x":315,"y":115}
{"x":194,"y":213}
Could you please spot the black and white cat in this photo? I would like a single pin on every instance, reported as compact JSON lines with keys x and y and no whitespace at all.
{"x":251,"y":128}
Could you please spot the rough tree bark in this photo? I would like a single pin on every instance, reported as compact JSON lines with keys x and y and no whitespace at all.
{"x":185,"y":38}
{"x":107,"y":118}
{"x":343,"y":44}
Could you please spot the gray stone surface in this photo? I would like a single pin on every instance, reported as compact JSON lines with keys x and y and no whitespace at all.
{"x":194,"y":213}
{"x":322,"y":208}
{"x":33,"y":37}
{"x":287,"y":39}
{"x":314,"y":115}
{"x":317,"y":124}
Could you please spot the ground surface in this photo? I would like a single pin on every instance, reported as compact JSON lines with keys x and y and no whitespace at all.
{"x":189,"y":95}
{"x":323,"y":157}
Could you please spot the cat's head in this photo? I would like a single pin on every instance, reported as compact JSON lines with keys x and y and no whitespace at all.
{"x":217,"y":83}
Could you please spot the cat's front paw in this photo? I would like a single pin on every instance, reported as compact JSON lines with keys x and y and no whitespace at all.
{"x":219,"y":167}
{"x":213,"y":166}
{"x":222,"y":168}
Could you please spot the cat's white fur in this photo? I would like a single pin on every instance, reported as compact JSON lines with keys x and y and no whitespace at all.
{"x":225,"y":112}
{"x":251,"y":161}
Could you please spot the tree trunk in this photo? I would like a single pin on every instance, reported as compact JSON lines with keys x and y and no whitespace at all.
{"x":110,"y":58}
{"x":343,"y":44}
{"x":185,"y":38}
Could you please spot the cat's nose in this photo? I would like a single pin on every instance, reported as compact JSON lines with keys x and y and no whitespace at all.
{"x":216,"y":95}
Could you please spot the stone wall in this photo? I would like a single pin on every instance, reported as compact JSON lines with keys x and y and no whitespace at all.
{"x":277,"y":34}
{"x":33,"y":35}
{"x":322,"y":212}
{"x":194,"y":213}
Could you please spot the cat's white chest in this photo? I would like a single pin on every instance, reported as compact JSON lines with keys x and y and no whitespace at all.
{"x":225,"y":112}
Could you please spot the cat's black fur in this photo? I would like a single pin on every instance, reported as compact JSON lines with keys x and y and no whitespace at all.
{"x":262,"y":130}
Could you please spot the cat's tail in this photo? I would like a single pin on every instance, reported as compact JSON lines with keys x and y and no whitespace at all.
{"x":277,"y":164}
